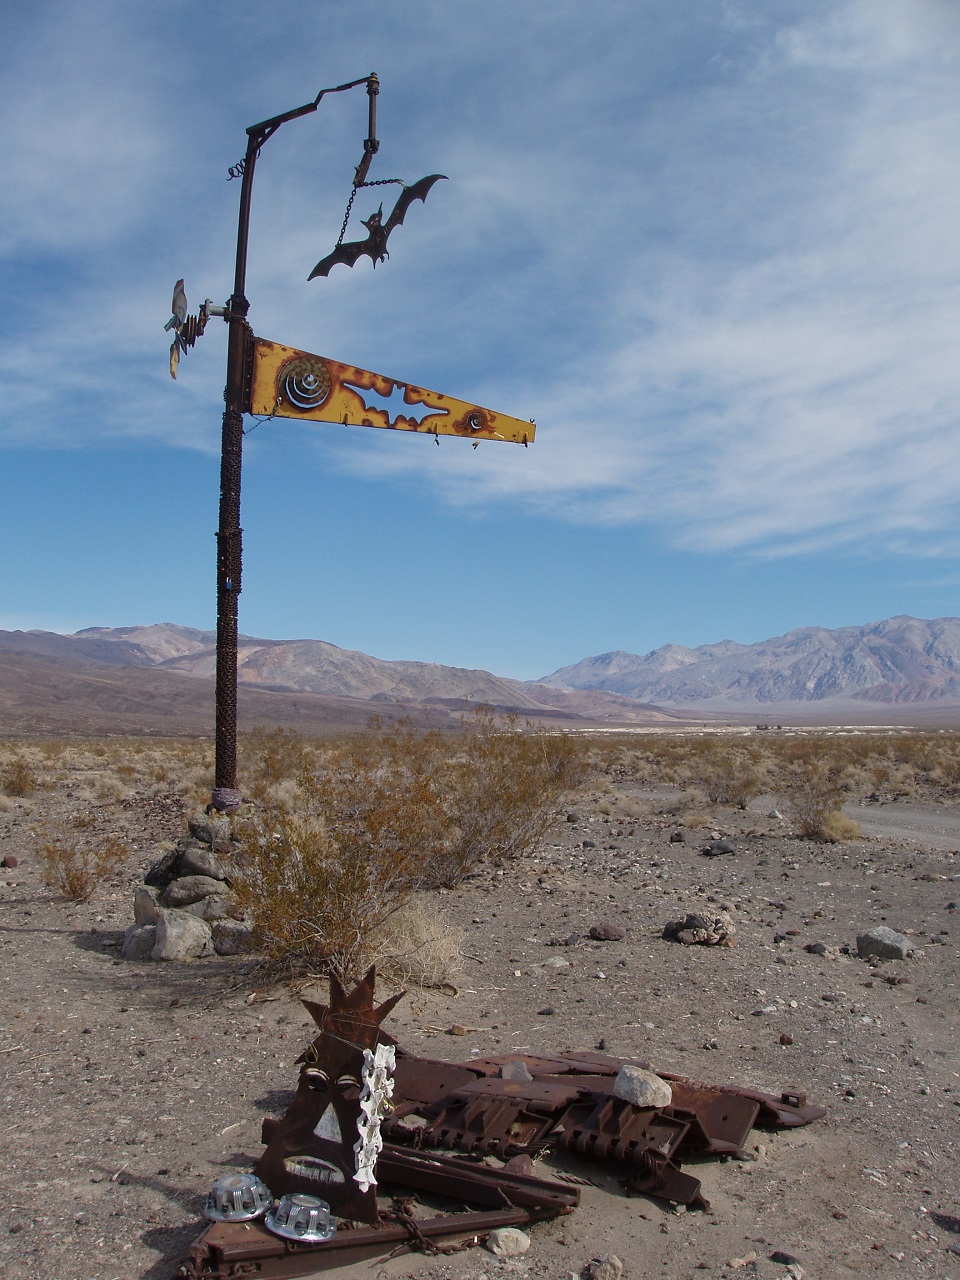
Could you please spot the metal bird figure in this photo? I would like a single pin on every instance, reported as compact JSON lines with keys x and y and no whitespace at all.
{"x":375,"y":245}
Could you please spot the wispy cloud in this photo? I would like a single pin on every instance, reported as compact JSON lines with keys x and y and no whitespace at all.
{"x":713,"y":250}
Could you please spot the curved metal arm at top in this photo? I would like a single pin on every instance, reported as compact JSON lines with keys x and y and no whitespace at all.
{"x":258,"y":134}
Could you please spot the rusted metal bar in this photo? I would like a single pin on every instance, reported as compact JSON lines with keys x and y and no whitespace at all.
{"x":229,"y":1250}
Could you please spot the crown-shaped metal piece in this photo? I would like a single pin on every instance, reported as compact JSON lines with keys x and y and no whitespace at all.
{"x":352,"y":1017}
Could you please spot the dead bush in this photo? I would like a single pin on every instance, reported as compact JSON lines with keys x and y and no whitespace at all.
{"x":732,"y":777}
{"x":313,"y":904}
{"x":19,"y":778}
{"x":417,"y":945}
{"x":813,"y":794}
{"x":329,"y":859}
{"x":75,"y":870}
{"x":837,"y":826}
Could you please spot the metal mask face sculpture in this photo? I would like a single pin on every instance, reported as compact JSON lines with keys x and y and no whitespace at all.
{"x":323,"y":1143}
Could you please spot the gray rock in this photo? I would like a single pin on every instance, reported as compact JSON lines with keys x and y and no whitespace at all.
{"x":607,"y":1267}
{"x":213,"y":832}
{"x":164,"y":870}
{"x":882,"y":943}
{"x":180,"y":893}
{"x":198,"y":860}
{"x":181,"y":936}
{"x":516,"y":1070}
{"x":677,"y":837}
{"x":607,"y":931}
{"x":507,"y":1242}
{"x":232,"y":938}
{"x":719,"y":847}
{"x":642,"y":1088}
{"x":146,"y":909}
{"x":139,"y":941}
{"x":218,"y":906}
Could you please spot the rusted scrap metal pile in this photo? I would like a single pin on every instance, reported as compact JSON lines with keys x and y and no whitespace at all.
{"x":362,"y":1162}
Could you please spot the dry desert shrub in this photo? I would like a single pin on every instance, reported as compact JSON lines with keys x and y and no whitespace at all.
{"x":19,"y":778}
{"x":329,"y":859}
{"x":837,"y":827}
{"x":813,"y":794}
{"x":631,"y":808}
{"x":268,"y":757}
{"x":76,"y":870}
{"x":732,"y":775}
{"x":696,"y":819}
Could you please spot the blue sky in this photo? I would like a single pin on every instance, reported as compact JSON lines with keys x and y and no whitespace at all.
{"x":710,"y":246}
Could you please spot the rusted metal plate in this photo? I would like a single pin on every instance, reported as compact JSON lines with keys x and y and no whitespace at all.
{"x":287,"y":383}
{"x":544,"y":1093}
{"x":426,"y":1080}
{"x":509,"y":1106}
{"x":536,"y":1064}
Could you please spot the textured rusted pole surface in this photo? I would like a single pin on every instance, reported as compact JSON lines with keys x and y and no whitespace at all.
{"x":226,"y":795}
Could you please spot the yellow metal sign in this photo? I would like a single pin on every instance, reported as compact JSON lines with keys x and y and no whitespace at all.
{"x":287,"y":383}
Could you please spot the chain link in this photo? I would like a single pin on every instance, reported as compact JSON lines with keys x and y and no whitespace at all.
{"x":378,"y":182}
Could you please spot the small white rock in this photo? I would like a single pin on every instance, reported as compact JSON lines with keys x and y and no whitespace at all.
{"x":507,"y":1242}
{"x":642,"y":1088}
{"x":606,"y":1267}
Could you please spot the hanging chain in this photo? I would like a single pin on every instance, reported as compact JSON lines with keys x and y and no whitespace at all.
{"x":379,"y":182}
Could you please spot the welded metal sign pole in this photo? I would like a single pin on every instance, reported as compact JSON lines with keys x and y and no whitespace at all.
{"x":277,"y":381}
{"x":229,"y":534}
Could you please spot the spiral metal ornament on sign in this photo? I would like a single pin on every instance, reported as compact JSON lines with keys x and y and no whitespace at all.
{"x":304,"y":382}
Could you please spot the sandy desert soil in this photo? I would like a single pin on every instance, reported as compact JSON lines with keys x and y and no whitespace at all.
{"x":127,"y":1088}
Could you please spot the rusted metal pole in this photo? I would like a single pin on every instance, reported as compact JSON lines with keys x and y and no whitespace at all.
{"x":226,"y":795}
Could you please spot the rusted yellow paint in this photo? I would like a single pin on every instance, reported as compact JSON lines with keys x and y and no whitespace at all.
{"x":287,"y":383}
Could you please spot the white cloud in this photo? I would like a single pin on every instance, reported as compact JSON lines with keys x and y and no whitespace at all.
{"x":713,"y":252}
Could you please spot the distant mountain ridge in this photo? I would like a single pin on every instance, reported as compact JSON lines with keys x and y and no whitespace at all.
{"x":899,"y":660}
{"x":146,"y":674}
{"x":312,"y":667}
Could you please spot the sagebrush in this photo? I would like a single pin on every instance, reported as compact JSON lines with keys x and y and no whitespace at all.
{"x":332,"y":853}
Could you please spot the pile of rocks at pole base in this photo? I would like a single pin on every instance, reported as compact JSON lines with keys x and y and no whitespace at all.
{"x":184,"y":909}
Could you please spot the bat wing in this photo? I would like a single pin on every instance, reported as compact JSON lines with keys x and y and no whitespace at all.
{"x":347,"y":253}
{"x":418,"y":191}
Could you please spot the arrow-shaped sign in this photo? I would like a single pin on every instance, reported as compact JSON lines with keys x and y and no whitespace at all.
{"x":287,"y":383}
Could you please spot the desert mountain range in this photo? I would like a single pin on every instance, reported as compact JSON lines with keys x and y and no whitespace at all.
{"x":159,"y":679}
{"x":900,"y":660}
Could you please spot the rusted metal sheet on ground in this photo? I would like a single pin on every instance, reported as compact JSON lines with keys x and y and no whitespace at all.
{"x":287,"y":383}
{"x":510,"y":1106}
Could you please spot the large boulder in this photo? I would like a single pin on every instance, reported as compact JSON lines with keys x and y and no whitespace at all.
{"x":188,"y":889}
{"x":232,"y":938}
{"x":213,"y":832}
{"x":218,"y":906}
{"x":181,"y":936}
{"x":146,"y":908}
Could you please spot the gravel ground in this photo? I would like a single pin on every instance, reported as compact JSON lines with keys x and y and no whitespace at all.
{"x":127,"y":1088}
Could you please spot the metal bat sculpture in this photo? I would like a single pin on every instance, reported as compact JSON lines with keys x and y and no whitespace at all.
{"x":375,"y":245}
